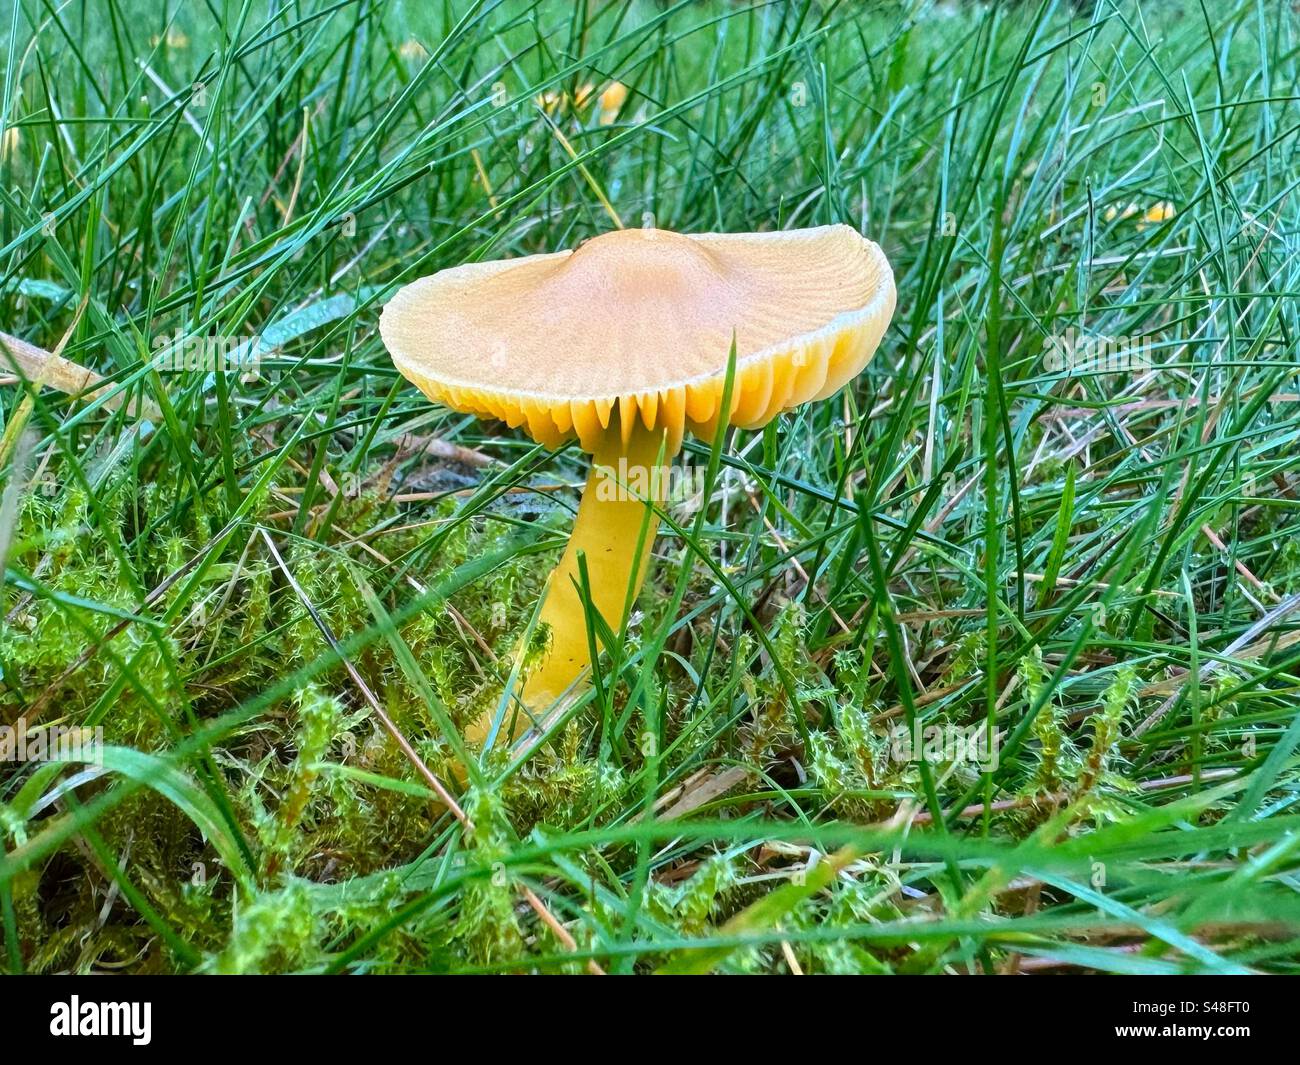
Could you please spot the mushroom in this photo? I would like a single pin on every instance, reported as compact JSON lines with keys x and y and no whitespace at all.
{"x":623,"y":344}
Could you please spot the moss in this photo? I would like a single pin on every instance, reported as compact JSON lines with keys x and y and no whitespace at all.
{"x":694,"y":904}
{"x":277,"y":932}
{"x":236,"y":632}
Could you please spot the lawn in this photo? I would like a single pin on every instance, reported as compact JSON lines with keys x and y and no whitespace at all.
{"x":988,"y":663}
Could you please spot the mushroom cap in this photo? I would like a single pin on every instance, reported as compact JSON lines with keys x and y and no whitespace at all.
{"x":637,"y":324}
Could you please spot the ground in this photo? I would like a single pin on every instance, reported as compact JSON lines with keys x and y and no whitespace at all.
{"x":1060,"y":504}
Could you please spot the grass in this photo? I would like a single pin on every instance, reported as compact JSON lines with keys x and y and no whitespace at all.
{"x":240,"y":577}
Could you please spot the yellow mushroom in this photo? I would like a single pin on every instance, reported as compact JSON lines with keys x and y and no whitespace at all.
{"x":612,"y":101}
{"x":412,"y":50}
{"x":1157,"y":214}
{"x":623,"y":345}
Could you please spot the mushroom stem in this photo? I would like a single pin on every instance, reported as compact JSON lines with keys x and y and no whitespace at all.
{"x":625,"y":479}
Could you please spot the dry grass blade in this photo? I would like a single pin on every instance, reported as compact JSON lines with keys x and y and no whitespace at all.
{"x":50,"y":369}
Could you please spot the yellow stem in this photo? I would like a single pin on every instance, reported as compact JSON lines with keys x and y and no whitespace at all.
{"x":606,"y":531}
